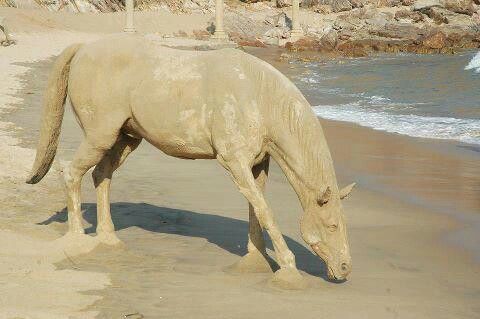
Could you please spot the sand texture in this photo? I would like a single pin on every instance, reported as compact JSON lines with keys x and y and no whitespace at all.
{"x":183,"y":223}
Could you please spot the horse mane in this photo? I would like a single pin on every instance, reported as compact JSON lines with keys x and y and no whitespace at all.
{"x":293,"y":115}
{"x":293,"y":127}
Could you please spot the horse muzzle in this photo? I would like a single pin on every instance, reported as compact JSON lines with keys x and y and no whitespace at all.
{"x":335,"y":270}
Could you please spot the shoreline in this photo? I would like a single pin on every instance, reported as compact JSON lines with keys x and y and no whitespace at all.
{"x":464,"y":209}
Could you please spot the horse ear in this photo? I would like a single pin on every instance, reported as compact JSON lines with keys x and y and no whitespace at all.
{"x":344,"y":192}
{"x":324,"y":196}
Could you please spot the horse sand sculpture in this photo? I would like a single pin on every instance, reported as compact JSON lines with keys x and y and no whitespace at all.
{"x":223,"y":104}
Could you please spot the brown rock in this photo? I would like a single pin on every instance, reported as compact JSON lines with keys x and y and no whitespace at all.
{"x":323,"y":9}
{"x":387,"y":3}
{"x":352,"y":49}
{"x":252,"y":43}
{"x":309,"y":3}
{"x":438,"y":15}
{"x":359,"y":3}
{"x":393,"y":3}
{"x":459,"y":6}
{"x":304,"y":44}
{"x":435,"y":40}
{"x":341,"y":5}
{"x":201,"y":34}
{"x":397,"y":31}
{"x":405,"y":14}
{"x":283,"y":3}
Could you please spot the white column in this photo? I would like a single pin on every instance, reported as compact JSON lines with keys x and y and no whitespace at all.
{"x":297,"y":31}
{"x":219,"y":31}
{"x":129,"y":7}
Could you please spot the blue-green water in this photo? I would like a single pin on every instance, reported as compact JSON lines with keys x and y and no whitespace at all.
{"x":431,"y":96}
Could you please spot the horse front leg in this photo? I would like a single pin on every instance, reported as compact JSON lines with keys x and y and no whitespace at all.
{"x":288,"y":275}
{"x":256,"y":260}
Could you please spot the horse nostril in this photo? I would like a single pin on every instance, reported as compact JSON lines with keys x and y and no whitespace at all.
{"x":345,"y":267}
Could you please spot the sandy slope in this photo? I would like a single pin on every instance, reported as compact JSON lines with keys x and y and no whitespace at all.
{"x":183,"y":222}
{"x":32,"y":287}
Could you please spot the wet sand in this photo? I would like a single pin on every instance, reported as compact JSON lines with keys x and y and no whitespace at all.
{"x":183,"y":222}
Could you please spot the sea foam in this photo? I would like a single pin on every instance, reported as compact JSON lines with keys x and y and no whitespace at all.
{"x":463,"y":130}
{"x":474,"y":64}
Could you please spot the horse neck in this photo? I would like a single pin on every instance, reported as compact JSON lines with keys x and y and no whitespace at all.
{"x":299,"y":147}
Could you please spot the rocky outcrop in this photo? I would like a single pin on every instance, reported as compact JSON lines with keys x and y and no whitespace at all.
{"x":424,"y":26}
{"x":459,"y":6}
{"x":408,"y":16}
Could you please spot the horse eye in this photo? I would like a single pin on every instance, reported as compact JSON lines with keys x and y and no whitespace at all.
{"x":332,"y":227}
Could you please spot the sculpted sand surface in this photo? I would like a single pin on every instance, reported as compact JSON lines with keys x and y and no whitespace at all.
{"x":221,"y":104}
{"x":31,"y":284}
{"x":183,"y":224}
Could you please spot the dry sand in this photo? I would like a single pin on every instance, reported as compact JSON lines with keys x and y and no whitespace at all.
{"x":183,"y":223}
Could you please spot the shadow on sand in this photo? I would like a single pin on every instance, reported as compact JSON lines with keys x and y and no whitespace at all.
{"x":228,"y":233}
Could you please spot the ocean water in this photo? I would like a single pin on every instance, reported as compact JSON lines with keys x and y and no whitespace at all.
{"x":430,"y":96}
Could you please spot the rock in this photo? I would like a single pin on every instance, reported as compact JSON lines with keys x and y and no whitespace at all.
{"x":461,"y":20}
{"x":421,"y":5}
{"x":476,"y":17}
{"x":280,"y":20}
{"x":459,"y":6}
{"x":351,"y":49}
{"x":388,"y":3}
{"x":308,"y":3}
{"x":435,"y":40}
{"x":201,"y":34}
{"x":304,"y":44}
{"x":397,"y":31}
{"x":329,"y":39}
{"x":408,"y":16}
{"x":199,"y":5}
{"x":438,"y":15}
{"x":252,"y":43}
{"x":358,"y":3}
{"x":323,"y":9}
{"x":272,"y":36}
{"x":341,"y":5}
{"x":283,"y":3}
{"x":379,"y":20}
{"x":408,"y":2}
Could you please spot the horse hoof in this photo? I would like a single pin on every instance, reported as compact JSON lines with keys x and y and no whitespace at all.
{"x":289,"y":278}
{"x":109,"y":239}
{"x":252,"y":262}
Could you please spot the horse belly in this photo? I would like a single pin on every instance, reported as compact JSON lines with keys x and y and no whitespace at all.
{"x":184,"y":135}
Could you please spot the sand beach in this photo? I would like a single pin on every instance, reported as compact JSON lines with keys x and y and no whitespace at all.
{"x":413,"y":219}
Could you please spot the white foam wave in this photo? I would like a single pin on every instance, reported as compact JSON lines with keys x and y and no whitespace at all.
{"x":464,"y":130}
{"x":474,"y":64}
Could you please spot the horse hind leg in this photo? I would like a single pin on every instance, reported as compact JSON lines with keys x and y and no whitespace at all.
{"x":87,"y":155}
{"x":102,"y":176}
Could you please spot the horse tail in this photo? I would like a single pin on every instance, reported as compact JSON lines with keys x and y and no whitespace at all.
{"x":52,"y":115}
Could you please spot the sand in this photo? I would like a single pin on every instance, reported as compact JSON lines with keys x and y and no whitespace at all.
{"x":183,"y":223}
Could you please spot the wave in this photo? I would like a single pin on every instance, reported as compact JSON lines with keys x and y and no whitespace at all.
{"x":474,"y":64}
{"x":463,"y":130}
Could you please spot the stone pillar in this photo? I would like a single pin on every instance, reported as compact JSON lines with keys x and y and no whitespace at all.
{"x":219,"y":31}
{"x":297,"y":31}
{"x":129,"y":7}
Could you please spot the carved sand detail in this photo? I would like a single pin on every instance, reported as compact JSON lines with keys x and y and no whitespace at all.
{"x":3,"y":27}
{"x":222,"y":104}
